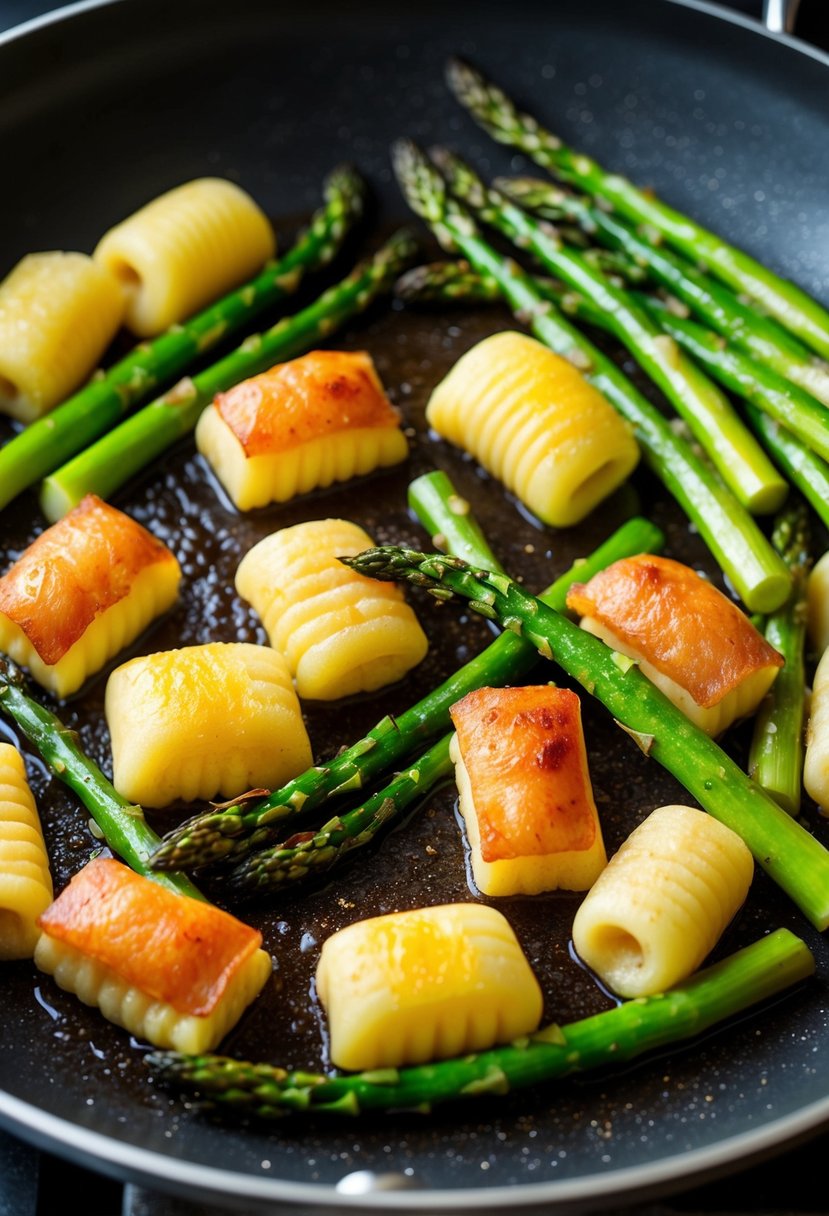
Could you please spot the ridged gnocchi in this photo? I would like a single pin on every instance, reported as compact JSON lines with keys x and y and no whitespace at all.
{"x":184,"y":249}
{"x":534,"y":422}
{"x":187,"y":724}
{"x":525,"y":793}
{"x":25,"y":876}
{"x":58,"y":314}
{"x":425,"y":985}
{"x":816,"y":764}
{"x":81,"y":592}
{"x":302,"y":425}
{"x":663,"y":901}
{"x":340,"y":632}
{"x":174,"y":971}
{"x":688,"y":638}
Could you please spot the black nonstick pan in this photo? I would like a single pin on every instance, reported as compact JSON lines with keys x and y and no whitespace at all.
{"x":110,"y":105}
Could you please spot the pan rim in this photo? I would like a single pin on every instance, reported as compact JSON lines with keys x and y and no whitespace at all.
{"x":197,"y":1180}
{"x":132,"y":1163}
{"x":717,"y":11}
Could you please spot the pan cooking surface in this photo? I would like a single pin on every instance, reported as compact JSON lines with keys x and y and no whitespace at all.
{"x":721,"y":121}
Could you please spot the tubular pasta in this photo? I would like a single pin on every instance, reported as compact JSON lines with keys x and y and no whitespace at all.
{"x":25,"y":879}
{"x":662,"y":902}
{"x":534,"y":422}
{"x":58,"y":314}
{"x":341,"y":633}
{"x":183,"y":250}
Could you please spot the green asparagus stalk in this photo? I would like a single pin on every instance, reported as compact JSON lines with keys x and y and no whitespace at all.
{"x":232,"y":832}
{"x":803,"y":468}
{"x":434,"y":501}
{"x":140,"y":439}
{"x":741,"y":325}
{"x":775,"y":758}
{"x":742,"y":551}
{"x":455,"y":282}
{"x":498,"y":115}
{"x":744,"y":979}
{"x":309,"y":854}
{"x":448,"y":519}
{"x":447,"y":282}
{"x":122,"y":824}
{"x":94,"y":409}
{"x":733,"y":450}
{"x":794,"y":408}
{"x":791,"y":856}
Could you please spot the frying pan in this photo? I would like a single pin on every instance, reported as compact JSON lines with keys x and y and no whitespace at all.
{"x":112,"y":104}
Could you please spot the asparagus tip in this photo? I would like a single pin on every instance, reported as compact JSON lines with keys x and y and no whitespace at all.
{"x":346,"y":178}
{"x":462,"y":78}
{"x":418,"y":180}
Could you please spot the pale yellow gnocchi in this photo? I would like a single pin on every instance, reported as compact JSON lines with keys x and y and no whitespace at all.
{"x":58,"y":314}
{"x":524,"y":790}
{"x":663,"y":901}
{"x":83,"y":590}
{"x":173,"y":970}
{"x":425,"y":985}
{"x":300,"y":426}
{"x":184,"y":249}
{"x":532,"y":420}
{"x":340,"y":632}
{"x":221,"y":718}
{"x":25,"y":876}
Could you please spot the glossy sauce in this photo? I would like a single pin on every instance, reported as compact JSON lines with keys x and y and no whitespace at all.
{"x":421,"y":860}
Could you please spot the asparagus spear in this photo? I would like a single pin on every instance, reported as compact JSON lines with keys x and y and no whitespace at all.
{"x":312,"y":853}
{"x":110,"y":462}
{"x":456,"y":282}
{"x":232,"y":832}
{"x":804,"y":469}
{"x":754,"y":974}
{"x":123,"y":825}
{"x":446,"y":283}
{"x":775,"y":759}
{"x":797,"y":410}
{"x":498,"y":115}
{"x":439,"y":508}
{"x":449,"y":520}
{"x":90,"y":412}
{"x":742,"y":551}
{"x":740,"y":461}
{"x":742,"y":326}
{"x":790,"y":855}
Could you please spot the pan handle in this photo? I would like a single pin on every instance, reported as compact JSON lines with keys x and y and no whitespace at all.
{"x":779,"y":15}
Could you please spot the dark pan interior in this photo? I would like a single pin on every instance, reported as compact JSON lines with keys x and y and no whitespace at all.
{"x":102,"y":112}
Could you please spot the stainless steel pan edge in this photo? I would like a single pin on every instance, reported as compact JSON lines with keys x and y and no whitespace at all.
{"x":214,"y":1184}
